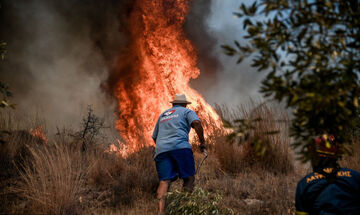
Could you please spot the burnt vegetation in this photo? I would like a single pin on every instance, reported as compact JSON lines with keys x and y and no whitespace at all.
{"x":91,"y":128}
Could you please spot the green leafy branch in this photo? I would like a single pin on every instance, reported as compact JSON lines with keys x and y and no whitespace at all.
{"x":311,"y":53}
{"x":198,"y":202}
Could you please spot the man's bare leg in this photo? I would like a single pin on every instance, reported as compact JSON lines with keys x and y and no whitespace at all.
{"x":161,"y":191}
{"x":188,"y":185}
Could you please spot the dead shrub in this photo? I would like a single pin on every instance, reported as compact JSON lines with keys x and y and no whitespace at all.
{"x":258,"y":138}
{"x":143,"y":165}
{"x":229,"y":155}
{"x":257,"y":192}
{"x":127,"y":179}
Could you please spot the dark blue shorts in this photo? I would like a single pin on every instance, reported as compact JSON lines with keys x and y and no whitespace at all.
{"x":173,"y":164}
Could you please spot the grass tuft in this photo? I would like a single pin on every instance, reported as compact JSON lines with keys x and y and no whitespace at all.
{"x":53,"y":180}
{"x":258,"y":139}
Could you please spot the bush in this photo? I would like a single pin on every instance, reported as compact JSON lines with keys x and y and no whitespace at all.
{"x":126,"y":179}
{"x":258,"y":138}
{"x":198,"y":202}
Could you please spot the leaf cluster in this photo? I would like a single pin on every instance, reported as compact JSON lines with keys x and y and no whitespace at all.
{"x":244,"y":131}
{"x":311,"y":53}
{"x":199,"y":202}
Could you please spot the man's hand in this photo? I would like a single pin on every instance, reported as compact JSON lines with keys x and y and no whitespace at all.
{"x":196,"y":124}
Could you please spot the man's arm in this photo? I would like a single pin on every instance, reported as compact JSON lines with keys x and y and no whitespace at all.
{"x":196,"y":124}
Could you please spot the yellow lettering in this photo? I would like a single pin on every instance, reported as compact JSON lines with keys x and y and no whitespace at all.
{"x":348,"y":174}
{"x":344,"y":173}
{"x":317,"y":176}
{"x":301,"y":213}
{"x":314,"y":177}
{"x":308,"y":180}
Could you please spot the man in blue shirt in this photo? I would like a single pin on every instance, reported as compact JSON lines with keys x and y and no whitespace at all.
{"x":173,"y":154}
{"x":329,"y":190}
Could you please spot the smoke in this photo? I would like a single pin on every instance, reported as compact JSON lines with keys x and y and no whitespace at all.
{"x":197,"y":29}
{"x":211,"y":24}
{"x":59,"y":53}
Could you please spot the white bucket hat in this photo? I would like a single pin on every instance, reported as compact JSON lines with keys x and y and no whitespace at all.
{"x":180,"y":99}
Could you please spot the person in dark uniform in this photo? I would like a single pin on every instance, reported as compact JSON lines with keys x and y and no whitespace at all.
{"x":330,"y":189}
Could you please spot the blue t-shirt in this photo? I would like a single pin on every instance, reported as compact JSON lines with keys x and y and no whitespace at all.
{"x":317,"y":195}
{"x":172,"y":129}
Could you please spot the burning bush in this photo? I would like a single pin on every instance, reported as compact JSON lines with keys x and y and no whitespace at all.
{"x":165,"y":63}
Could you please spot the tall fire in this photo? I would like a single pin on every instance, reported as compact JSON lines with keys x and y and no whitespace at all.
{"x":159,"y":62}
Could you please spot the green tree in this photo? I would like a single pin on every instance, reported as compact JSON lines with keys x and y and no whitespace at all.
{"x":310,"y":50}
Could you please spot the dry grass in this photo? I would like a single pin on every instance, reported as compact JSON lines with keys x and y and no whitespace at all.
{"x":13,"y":153}
{"x":121,"y":182}
{"x":269,"y":126}
{"x":270,"y":193}
{"x":62,"y":179}
{"x":53,"y":180}
{"x":352,"y":161}
{"x":59,"y":178}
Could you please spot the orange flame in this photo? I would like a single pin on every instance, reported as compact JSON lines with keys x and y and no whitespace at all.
{"x":39,"y":133}
{"x":159,"y":63}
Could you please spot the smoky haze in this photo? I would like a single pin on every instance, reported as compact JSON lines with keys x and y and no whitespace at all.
{"x":210,"y":24}
{"x":60,"y":55}
{"x":197,"y":30}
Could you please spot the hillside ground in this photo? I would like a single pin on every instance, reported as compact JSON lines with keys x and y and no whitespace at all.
{"x":58,"y":176}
